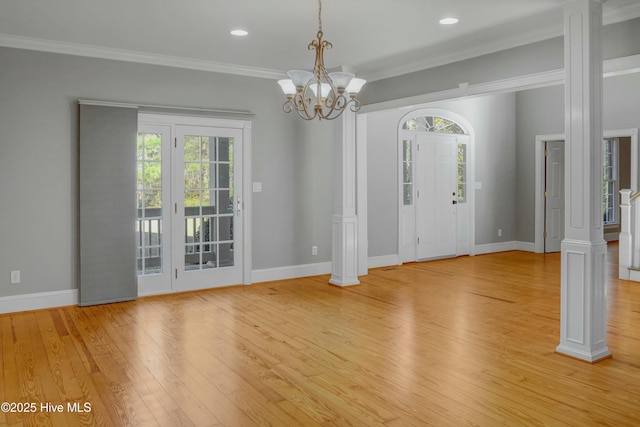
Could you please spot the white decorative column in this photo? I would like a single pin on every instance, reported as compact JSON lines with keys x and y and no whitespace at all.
{"x":344,"y":253}
{"x":583,"y":311}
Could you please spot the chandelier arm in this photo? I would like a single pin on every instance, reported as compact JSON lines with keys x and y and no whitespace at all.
{"x":301,"y":106}
{"x":355,"y":105}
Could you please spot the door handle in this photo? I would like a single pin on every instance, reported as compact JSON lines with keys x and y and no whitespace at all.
{"x":238,"y":209}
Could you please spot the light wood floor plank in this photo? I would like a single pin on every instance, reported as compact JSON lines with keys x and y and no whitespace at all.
{"x":468,"y":341}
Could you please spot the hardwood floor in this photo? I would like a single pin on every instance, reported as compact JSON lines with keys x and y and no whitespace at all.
{"x":468,"y":341}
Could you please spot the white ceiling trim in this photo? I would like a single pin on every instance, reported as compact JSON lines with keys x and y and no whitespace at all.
{"x":611,"y":68}
{"x":133,"y":56}
{"x":462,"y":55}
{"x":543,"y":33}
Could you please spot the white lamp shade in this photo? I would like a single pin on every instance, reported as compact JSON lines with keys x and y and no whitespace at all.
{"x":355,"y":85}
{"x":326,"y":88}
{"x":287,"y":86}
{"x":341,"y":80}
{"x":300,"y":78}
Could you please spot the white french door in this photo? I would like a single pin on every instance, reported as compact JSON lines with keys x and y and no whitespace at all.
{"x":208,"y":209}
{"x":190,"y":216}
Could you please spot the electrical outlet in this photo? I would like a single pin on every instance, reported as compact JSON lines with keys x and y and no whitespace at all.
{"x":499,"y":232}
{"x":15,"y":277}
{"x":314,"y":250}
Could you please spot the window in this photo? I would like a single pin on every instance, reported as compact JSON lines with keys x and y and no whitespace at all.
{"x":610,"y":181}
{"x":433,"y":124}
{"x":437,"y":125}
{"x":407,"y":173}
{"x":462,"y":173}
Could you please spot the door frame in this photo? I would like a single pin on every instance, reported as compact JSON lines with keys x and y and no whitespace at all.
{"x":471,"y":184}
{"x":246,"y":221}
{"x":540,"y":175}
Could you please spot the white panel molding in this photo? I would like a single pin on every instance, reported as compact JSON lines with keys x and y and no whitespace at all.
{"x":344,"y":247}
{"x":90,"y":51}
{"x":38,"y":301}
{"x":290,"y":272}
{"x":361,"y":194}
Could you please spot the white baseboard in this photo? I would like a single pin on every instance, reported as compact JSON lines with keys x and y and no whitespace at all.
{"x":290,"y":272}
{"x":504,"y":247}
{"x":611,"y":237}
{"x":383,"y":261}
{"x":525,"y":246}
{"x":38,"y":301}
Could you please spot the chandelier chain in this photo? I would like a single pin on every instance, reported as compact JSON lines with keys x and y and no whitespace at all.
{"x":320,"y":15}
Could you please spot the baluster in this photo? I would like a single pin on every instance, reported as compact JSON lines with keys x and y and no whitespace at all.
{"x":627,"y":240}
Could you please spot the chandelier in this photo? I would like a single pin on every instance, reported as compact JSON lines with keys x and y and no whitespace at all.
{"x":338,"y":90}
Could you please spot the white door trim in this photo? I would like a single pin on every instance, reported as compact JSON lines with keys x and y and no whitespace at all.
{"x":471,"y":198}
{"x":540,"y":178}
{"x":247,"y":207}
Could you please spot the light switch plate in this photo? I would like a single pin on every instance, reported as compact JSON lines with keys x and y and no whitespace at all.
{"x":15,"y":277}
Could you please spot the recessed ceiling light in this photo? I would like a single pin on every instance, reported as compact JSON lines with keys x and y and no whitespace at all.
{"x":449,"y":21}
{"x":239,"y":32}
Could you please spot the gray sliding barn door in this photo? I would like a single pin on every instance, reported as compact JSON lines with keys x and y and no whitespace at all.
{"x":107,"y":204}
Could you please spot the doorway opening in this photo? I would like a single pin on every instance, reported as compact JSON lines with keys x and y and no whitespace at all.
{"x":620,"y":170}
{"x":191,"y":229}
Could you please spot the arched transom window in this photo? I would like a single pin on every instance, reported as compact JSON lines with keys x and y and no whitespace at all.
{"x":433,"y":124}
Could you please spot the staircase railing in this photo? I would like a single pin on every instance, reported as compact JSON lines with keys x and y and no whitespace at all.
{"x":629,"y":245}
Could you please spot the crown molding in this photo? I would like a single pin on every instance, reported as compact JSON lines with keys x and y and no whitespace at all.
{"x":383,"y":69}
{"x":76,"y":49}
{"x":620,"y":14}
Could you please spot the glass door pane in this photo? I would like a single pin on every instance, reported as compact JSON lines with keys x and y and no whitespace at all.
{"x":208,"y":202}
{"x":149,"y":194}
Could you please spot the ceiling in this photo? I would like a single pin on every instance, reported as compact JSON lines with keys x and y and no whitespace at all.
{"x":375,"y":39}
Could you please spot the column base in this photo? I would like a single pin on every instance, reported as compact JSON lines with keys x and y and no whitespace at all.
{"x":337,"y":281}
{"x":593,"y":357}
{"x":583,"y":313}
{"x":344,"y":269}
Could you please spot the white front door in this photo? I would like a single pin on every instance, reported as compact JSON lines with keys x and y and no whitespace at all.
{"x":190,"y":211}
{"x":436,"y":196}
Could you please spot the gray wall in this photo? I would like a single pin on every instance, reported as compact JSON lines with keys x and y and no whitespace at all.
{"x":541,"y":112}
{"x":619,"y":40}
{"x":38,"y":164}
{"x":493,"y":121}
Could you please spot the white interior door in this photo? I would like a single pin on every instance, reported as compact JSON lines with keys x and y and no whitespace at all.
{"x":554,"y":196}
{"x":436,"y":196}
